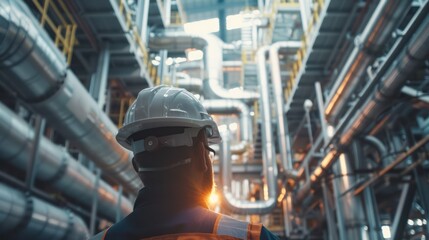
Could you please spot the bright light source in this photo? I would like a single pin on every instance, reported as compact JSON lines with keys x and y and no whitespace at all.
{"x":419,"y":222}
{"x":385,"y":230}
{"x":424,"y":221}
{"x":180,"y":60}
{"x":213,"y":198}
{"x":158,"y":58}
{"x":252,"y":113}
{"x":169,"y":61}
{"x":194,"y":54}
{"x":204,"y":26}
{"x":155,"y":62}
{"x":233,"y":127}
{"x":330,"y":131}
{"x":222,"y":128}
{"x":410,"y":222}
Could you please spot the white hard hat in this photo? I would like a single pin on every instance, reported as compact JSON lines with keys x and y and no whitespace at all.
{"x":165,"y":106}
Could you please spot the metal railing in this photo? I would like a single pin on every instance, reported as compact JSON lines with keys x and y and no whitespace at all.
{"x":64,"y":30}
{"x":141,"y":48}
{"x":301,"y":53}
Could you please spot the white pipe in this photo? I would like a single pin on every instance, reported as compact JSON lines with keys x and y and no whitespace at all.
{"x":212,"y":47}
{"x":269,"y":156}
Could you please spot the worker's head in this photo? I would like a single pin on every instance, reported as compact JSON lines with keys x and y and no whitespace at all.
{"x":169,"y":131}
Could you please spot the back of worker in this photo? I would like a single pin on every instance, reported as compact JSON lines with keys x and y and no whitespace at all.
{"x":169,"y":132}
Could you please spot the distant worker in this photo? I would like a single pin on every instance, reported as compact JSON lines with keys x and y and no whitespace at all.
{"x":169,"y":131}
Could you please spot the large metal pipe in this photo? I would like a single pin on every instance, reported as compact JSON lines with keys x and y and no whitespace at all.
{"x":194,"y":85}
{"x":282,"y":126}
{"x":25,"y":217}
{"x":269,"y":155}
{"x":407,"y":62}
{"x":33,"y":68}
{"x":367,"y":45}
{"x":56,"y":167}
{"x":229,"y":106}
{"x":212,"y":47}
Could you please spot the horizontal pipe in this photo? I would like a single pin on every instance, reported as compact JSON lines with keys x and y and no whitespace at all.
{"x":407,"y":62}
{"x":25,"y":217}
{"x":56,"y":167}
{"x":212,"y":47}
{"x":367,"y":45}
{"x":194,"y":85}
{"x":229,"y":106}
{"x":32,"y":68}
{"x":395,"y":163}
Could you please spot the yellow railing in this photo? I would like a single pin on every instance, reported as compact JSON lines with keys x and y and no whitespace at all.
{"x":65,"y":30}
{"x":298,"y":64}
{"x":124,"y":105}
{"x":272,"y":20}
{"x":144,"y":54}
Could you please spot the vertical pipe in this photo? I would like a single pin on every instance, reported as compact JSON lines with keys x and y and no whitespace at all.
{"x":320,"y":106}
{"x":351,"y":208}
{"x":100,"y":77}
{"x":332,"y":231}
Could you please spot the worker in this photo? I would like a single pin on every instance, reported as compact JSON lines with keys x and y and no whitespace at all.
{"x":169,"y":132}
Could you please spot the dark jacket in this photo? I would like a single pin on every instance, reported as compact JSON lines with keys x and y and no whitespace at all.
{"x":160,"y":212}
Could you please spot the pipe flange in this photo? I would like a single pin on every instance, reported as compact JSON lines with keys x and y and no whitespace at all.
{"x":61,"y":171}
{"x":22,"y":224}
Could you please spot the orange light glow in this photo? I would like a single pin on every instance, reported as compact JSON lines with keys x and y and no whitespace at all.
{"x":213,"y":198}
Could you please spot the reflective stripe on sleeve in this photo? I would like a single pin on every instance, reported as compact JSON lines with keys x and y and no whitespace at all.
{"x":232,"y":227}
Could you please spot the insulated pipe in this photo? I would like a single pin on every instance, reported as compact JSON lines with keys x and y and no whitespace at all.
{"x":31,"y":67}
{"x":56,"y":167}
{"x":269,"y":156}
{"x":229,"y":106}
{"x":282,"y":126}
{"x":26,"y":217}
{"x":212,"y":47}
{"x":407,"y":62}
{"x":367,"y":45}
{"x":194,"y":85}
{"x":243,"y":206}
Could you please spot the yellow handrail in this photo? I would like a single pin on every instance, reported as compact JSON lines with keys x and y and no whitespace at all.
{"x":65,"y":41}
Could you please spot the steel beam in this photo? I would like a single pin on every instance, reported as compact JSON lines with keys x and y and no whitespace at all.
{"x":99,"y":78}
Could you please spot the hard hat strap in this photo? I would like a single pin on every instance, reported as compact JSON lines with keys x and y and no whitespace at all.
{"x":163,"y":168}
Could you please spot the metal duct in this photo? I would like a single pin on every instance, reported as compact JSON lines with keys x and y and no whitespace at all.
{"x":26,"y":217}
{"x":269,"y":156}
{"x":407,"y":62}
{"x":194,"y":85}
{"x":282,"y":126}
{"x":31,"y":66}
{"x":229,"y":106}
{"x":212,"y":47}
{"x":378,"y":30}
{"x":55,"y":166}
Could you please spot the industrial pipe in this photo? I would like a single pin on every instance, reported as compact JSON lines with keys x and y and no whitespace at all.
{"x":369,"y":43}
{"x":282,"y":125}
{"x":32,"y":67}
{"x":56,"y":167}
{"x":25,"y":217}
{"x":269,"y":155}
{"x":194,"y":85}
{"x":229,"y":106}
{"x":212,"y":47}
{"x":407,"y":62}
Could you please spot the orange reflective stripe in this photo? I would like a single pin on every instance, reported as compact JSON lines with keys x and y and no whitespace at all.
{"x":105,"y":232}
{"x":192,"y":236}
{"x":216,"y":225}
{"x":254,"y":231}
